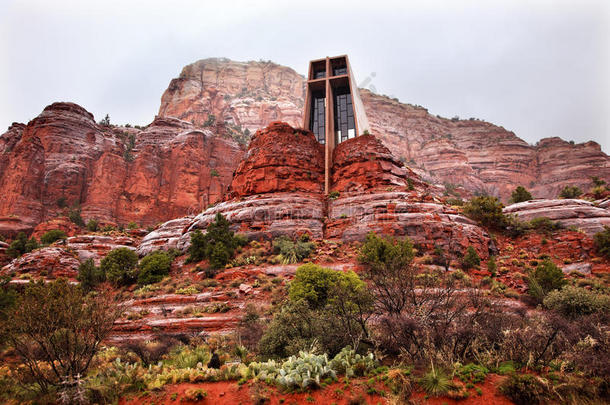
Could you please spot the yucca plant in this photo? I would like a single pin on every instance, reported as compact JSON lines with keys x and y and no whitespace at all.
{"x":435,"y":382}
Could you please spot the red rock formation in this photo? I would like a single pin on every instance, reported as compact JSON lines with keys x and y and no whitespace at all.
{"x":116,"y":175}
{"x":375,"y":195}
{"x":280,"y":159}
{"x":240,"y":95}
{"x":173,"y":167}
{"x":262,"y":207}
{"x":47,"y":262}
{"x":473,"y":153}
{"x":364,"y":164}
{"x":97,"y":246}
{"x":579,"y":214}
{"x":61,"y":223}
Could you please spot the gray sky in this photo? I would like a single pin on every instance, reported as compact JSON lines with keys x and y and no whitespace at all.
{"x":538,"y":68}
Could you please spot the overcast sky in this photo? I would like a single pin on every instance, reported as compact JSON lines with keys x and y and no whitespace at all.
{"x":538,"y":68}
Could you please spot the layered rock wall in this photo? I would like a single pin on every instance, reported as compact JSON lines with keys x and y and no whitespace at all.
{"x":62,"y":159}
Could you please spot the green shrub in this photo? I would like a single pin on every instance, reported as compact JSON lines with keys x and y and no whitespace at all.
{"x":544,"y":224}
{"x":20,"y":246}
{"x":570,"y":192}
{"x":154,"y":267}
{"x":188,"y":357}
{"x":119,"y":266}
{"x":471,"y":259}
{"x":291,"y":251}
{"x":324,"y":306}
{"x":31,"y":245}
{"x":92,"y":225}
{"x":524,"y":389}
{"x":89,"y":275}
{"x":218,"y":244}
{"x":492,"y":266}
{"x":132,"y":225}
{"x":74,"y":216}
{"x":333,"y":195}
{"x":520,"y":195}
{"x":544,"y":279}
{"x":602,"y":242}
{"x":487,"y":210}
{"x":575,"y":301}
{"x":474,"y":373}
{"x":389,"y":268}
{"x":52,"y":236}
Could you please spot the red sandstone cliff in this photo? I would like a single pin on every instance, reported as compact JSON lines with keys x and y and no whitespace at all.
{"x":62,"y":158}
{"x":185,"y":158}
{"x":473,"y":153}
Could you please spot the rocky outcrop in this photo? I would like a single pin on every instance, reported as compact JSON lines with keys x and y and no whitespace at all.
{"x":97,"y":246}
{"x":47,"y":262}
{"x":364,"y":164}
{"x":396,"y":213}
{"x":375,"y":193}
{"x":116,"y":175}
{"x":475,"y":154}
{"x":62,"y":223}
{"x":280,"y":159}
{"x":165,"y":237}
{"x":267,"y":216}
{"x":239,"y":96}
{"x":4,"y":258}
{"x":579,"y":214}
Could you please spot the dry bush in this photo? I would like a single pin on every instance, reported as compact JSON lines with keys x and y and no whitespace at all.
{"x":56,"y":330}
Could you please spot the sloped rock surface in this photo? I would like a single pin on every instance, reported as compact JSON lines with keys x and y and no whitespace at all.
{"x":97,"y":246}
{"x":580,"y":214}
{"x":396,"y":213}
{"x":267,"y":216}
{"x":47,"y":262}
{"x":165,"y":237}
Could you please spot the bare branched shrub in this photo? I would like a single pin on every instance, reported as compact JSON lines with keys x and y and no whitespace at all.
{"x":56,"y":330}
{"x":151,"y":351}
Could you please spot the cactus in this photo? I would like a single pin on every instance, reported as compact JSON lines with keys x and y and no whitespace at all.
{"x":297,"y":372}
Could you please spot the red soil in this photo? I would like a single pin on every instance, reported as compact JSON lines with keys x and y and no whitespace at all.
{"x":229,"y":392}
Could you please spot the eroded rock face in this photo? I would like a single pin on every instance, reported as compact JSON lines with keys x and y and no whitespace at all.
{"x":280,"y":159}
{"x":47,"y":262}
{"x":164,"y":237}
{"x":395,"y":213}
{"x":116,"y":175}
{"x":267,"y":216}
{"x":473,"y":153}
{"x":580,"y":214}
{"x":61,"y":223}
{"x":240,"y":95}
{"x":97,"y":246}
{"x":376,"y":193}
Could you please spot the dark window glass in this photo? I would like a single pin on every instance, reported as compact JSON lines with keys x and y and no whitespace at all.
{"x":319,"y":74}
{"x":318,"y":119}
{"x":344,"y":113}
{"x":342,"y":70}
